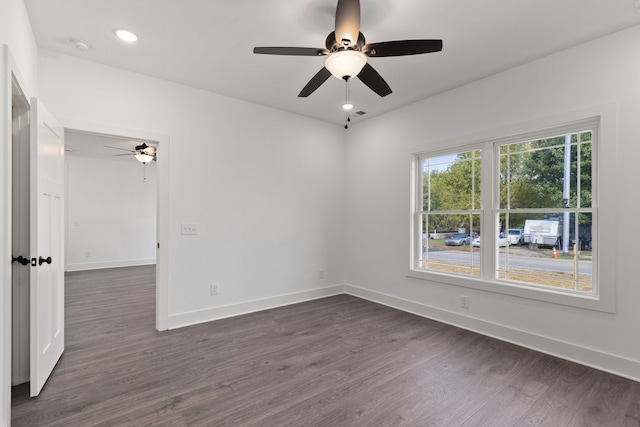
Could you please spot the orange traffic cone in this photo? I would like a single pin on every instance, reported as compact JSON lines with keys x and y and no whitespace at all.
{"x":555,"y":254}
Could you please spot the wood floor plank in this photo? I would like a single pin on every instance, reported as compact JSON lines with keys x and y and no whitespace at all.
{"x":602,"y":404}
{"x":338,"y":361}
{"x":632,"y":412}
{"x":508,"y":406}
{"x":559,"y":404}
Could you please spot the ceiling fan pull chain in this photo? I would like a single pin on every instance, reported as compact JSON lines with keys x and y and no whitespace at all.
{"x":144,"y":173}
{"x":347,"y":105}
{"x":348,"y":91}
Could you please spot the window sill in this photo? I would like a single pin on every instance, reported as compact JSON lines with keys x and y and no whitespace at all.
{"x":578,"y":300}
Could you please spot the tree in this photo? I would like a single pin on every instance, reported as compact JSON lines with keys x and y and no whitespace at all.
{"x":455,"y":188}
{"x":532,"y":174}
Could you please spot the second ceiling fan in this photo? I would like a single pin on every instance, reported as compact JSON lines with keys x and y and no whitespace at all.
{"x":347,"y":52}
{"x":143,"y":153}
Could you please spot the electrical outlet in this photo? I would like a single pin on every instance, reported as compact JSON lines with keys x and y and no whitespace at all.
{"x":214,"y":289}
{"x":189,"y":228}
{"x":320,"y":274}
{"x":464,"y":301}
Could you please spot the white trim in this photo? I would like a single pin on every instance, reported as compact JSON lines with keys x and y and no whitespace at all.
{"x":596,"y":359}
{"x":108,"y":264}
{"x":600,"y":360}
{"x":162,"y":222}
{"x":8,"y":68}
{"x":222,"y":312}
{"x":5,"y":229}
{"x":605,"y":159}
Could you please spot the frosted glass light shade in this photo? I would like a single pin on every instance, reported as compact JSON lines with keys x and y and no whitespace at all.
{"x":143,"y":158}
{"x":345,"y":63}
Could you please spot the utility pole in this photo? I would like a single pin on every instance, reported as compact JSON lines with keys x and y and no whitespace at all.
{"x":566,"y":194}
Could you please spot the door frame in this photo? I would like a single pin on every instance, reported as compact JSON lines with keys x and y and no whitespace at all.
{"x":9,"y":73}
{"x":162,"y":202}
{"x":20,"y":235}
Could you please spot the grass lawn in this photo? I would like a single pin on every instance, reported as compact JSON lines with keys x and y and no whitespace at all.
{"x":556,"y":280}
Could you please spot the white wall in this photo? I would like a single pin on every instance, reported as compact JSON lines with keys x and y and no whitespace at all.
{"x":111,"y":212}
{"x":16,"y":32}
{"x":377,"y":181}
{"x":265,"y":187}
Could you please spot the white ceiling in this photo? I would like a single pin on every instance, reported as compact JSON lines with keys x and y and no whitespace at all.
{"x":208,"y":43}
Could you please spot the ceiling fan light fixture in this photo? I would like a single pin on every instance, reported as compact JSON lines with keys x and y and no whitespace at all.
{"x":143,"y":157}
{"x":345,"y":63}
{"x":347,"y":106}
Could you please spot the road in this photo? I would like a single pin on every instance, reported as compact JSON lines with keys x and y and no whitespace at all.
{"x":516,"y":261}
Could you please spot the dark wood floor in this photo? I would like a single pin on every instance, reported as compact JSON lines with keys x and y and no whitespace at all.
{"x":338,"y":361}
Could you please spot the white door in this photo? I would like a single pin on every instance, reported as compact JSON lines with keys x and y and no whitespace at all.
{"x":46,"y":244}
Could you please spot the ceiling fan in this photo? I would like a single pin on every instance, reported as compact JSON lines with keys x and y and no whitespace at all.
{"x":347,"y":51}
{"x":144,"y":153}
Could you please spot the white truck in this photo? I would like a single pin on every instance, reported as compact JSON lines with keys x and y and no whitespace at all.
{"x":541,"y":232}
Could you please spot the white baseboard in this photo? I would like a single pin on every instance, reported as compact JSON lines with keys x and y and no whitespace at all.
{"x":216,"y":313}
{"x":585,"y":356}
{"x":617,"y":365}
{"x":108,"y":264}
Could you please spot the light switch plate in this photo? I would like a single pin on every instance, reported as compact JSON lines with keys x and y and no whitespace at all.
{"x":189,"y":229}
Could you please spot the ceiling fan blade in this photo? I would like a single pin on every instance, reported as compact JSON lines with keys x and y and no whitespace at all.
{"x":347,"y":22}
{"x":295,"y":51}
{"x":315,"y":82}
{"x":402,"y":48}
{"x":118,"y":148}
{"x":374,"y":81}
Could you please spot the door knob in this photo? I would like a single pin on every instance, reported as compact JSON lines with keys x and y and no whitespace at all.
{"x":22,"y":260}
{"x":43,"y":260}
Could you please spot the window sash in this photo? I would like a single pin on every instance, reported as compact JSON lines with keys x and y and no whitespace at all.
{"x":490,"y":158}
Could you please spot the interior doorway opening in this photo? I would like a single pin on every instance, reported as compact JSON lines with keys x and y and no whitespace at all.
{"x":109,"y":134}
{"x":111,"y":188}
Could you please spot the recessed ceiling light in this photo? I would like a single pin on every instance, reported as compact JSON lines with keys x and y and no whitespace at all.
{"x":126,"y":35}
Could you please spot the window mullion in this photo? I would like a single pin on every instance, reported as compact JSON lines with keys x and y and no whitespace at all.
{"x":488,"y":203}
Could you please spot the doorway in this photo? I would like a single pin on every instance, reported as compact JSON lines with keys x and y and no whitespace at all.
{"x":99,"y":135}
{"x":111,"y":201}
{"x":89,"y":148}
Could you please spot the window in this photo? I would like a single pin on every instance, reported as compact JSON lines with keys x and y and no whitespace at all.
{"x":517,"y":215}
{"x":450,"y":216}
{"x":545,"y":189}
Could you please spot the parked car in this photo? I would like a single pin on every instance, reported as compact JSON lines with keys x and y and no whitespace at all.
{"x":459,"y":239}
{"x":516,"y":236}
{"x":502,"y":241}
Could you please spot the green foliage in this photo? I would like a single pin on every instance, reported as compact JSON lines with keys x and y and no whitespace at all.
{"x":531,"y":176}
{"x":532,"y":173}
{"x":455,"y":188}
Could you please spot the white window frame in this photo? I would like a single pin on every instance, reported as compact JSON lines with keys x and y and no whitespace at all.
{"x":603,"y":298}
